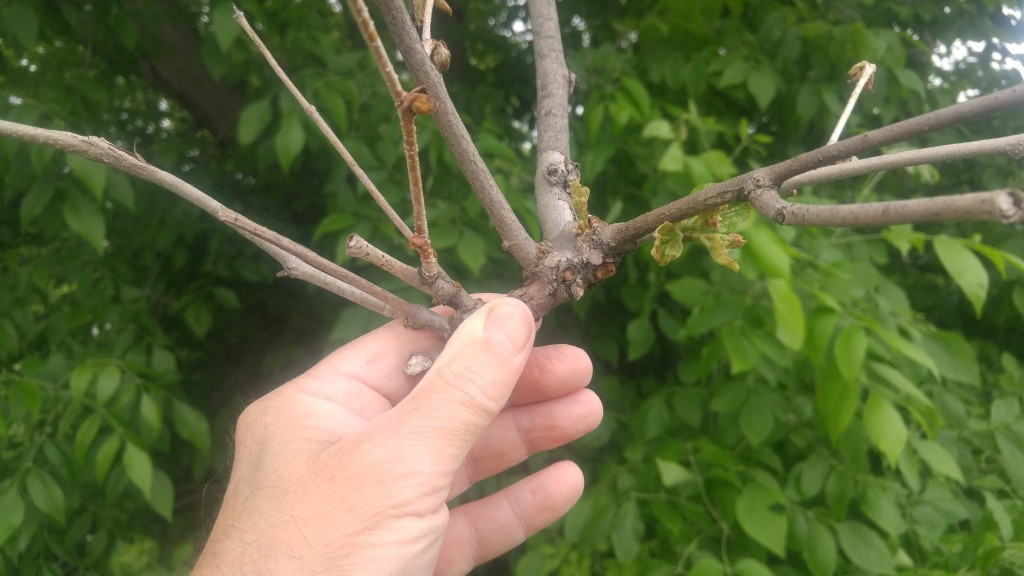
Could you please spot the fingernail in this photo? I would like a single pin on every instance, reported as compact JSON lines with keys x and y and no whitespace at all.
{"x":507,"y":325}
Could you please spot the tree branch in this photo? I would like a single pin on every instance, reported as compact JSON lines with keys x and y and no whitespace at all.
{"x":318,"y":120}
{"x":513,"y":235}
{"x":294,"y":261}
{"x":1012,"y":146}
{"x":441,"y":289}
{"x":623,"y":237}
{"x":551,"y":184}
{"x":407,"y":118}
{"x":1003,"y":206}
{"x":553,"y":79}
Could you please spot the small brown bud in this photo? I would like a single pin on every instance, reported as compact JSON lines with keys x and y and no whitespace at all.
{"x":418,"y":242}
{"x":568,"y":275}
{"x":440,"y":55}
{"x":423,"y":104}
{"x":605,"y":270}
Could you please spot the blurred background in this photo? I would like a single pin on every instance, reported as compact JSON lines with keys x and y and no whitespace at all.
{"x":848,"y":403}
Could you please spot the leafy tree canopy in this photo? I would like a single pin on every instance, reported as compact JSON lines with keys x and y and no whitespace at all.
{"x":848,"y":402}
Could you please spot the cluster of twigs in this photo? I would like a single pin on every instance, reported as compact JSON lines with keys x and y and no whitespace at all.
{"x":577,"y":251}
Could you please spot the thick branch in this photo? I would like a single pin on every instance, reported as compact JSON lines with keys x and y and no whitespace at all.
{"x":623,"y":237}
{"x":1003,"y":206}
{"x":1010,"y":146}
{"x":553,"y":84}
{"x":100,"y":150}
{"x":514,"y":237}
{"x":553,"y":79}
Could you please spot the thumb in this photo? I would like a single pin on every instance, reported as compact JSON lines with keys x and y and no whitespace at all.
{"x":470,"y":381}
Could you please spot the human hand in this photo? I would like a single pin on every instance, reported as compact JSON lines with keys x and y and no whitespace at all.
{"x":348,"y":468}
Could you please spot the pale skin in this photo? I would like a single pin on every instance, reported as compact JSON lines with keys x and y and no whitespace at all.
{"x":349,"y":468}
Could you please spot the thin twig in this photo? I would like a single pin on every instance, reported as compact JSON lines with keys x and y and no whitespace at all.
{"x":1003,"y":206}
{"x":428,"y":13}
{"x":442,"y":289}
{"x":407,"y":117}
{"x":423,"y":316}
{"x":867,"y":70}
{"x":1012,"y":146}
{"x":294,"y":260}
{"x":623,"y":237}
{"x":553,"y":79}
{"x":318,"y":120}
{"x":513,"y":235}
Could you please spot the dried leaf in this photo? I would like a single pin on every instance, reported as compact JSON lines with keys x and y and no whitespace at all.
{"x":418,"y":9}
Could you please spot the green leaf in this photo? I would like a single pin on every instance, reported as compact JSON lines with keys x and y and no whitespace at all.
{"x":820,"y":553}
{"x":80,"y":379}
{"x":768,"y":251}
{"x":668,"y":244}
{"x":85,"y":435}
{"x":628,"y":532}
{"x":13,"y":512}
{"x":105,"y":456}
{"x":906,"y":348}
{"x":1004,"y":411}
{"x":92,"y":175}
{"x":850,"y":349}
{"x":953,"y":356}
{"x":640,"y":337}
{"x":290,"y":141}
{"x":138,"y":466}
{"x":734,"y":74}
{"x":121,"y":190}
{"x":226,"y":297}
{"x":45,"y":493}
{"x":1018,"y":298}
{"x":638,"y":94}
{"x":885,"y":427}
{"x":199,"y":318}
{"x":939,"y":460}
{"x":965,"y":268}
{"x":865,"y":548}
{"x":84,"y":217}
{"x":254,"y":119}
{"x":150,"y":413}
{"x":837,"y":400}
{"x":225,"y":29}
{"x":750,"y":567}
{"x":755,"y":511}
{"x":879,"y":502}
{"x":762,"y":87}
{"x":191,"y":425}
{"x":161,"y":499}
{"x":756,"y":421}
{"x":108,"y":380}
{"x":672,"y":473}
{"x":660,"y":129}
{"x":992,"y":504}
{"x":707,"y":567}
{"x":820,"y":324}
{"x":33,"y":204}
{"x":789,"y":314}
{"x":672,"y":159}
{"x":472,"y":251}
{"x":742,"y":354}
{"x":1012,"y":457}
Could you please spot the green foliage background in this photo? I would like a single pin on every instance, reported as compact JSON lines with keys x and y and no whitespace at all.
{"x":848,"y":403}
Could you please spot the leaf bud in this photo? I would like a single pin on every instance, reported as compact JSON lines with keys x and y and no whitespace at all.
{"x":440,"y":55}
